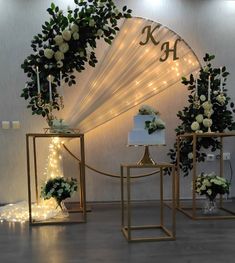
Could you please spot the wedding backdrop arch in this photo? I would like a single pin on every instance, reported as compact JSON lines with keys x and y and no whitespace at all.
{"x":144,"y":59}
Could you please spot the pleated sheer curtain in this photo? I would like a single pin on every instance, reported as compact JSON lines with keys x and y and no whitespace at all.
{"x":129,"y":73}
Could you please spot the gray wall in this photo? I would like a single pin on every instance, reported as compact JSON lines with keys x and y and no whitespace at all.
{"x":207,"y":26}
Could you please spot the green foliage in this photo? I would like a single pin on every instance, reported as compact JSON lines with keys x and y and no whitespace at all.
{"x":59,"y":188}
{"x":221,"y":114}
{"x":94,"y":20}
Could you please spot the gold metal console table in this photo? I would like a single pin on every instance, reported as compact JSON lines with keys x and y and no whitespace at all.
{"x":31,"y":146}
{"x":127,"y":228}
{"x":191,"y":211}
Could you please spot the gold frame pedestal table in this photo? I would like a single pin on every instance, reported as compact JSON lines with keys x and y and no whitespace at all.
{"x":128,"y":228}
{"x":31,"y":142}
{"x":191,"y":211}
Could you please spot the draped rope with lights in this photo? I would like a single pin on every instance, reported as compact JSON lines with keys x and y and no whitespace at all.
{"x":132,"y":70}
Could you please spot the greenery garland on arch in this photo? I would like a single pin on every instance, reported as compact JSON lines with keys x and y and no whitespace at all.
{"x":66,"y":45}
{"x":200,"y":114}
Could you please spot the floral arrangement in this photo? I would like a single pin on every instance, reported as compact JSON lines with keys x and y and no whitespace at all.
{"x":154,"y":125}
{"x":65,"y":45}
{"x":59,"y":188}
{"x":211,"y":185}
{"x":207,"y":109}
{"x":147,"y":110}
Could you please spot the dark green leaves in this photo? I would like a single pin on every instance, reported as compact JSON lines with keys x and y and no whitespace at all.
{"x":221,"y":117}
{"x":89,"y":16}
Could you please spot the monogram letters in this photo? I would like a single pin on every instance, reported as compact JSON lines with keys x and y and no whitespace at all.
{"x":165,"y":47}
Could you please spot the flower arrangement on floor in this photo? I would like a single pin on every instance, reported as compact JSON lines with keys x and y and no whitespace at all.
{"x":66,"y":44}
{"x":209,"y":109}
{"x":59,"y":188}
{"x":210,"y":185}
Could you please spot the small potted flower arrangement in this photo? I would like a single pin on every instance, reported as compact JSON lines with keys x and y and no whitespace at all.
{"x":59,"y":188}
{"x":210,"y":185}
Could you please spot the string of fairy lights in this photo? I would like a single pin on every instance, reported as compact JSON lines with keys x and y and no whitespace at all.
{"x":45,"y":209}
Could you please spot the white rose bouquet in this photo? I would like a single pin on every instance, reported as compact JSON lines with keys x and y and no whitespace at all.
{"x":211,"y":185}
{"x":59,"y":188}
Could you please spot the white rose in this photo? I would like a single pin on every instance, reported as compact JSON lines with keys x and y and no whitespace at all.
{"x":208,"y":113}
{"x":64,"y":47}
{"x":92,"y":23}
{"x":116,"y":11}
{"x":59,"y":55}
{"x":195,"y":126}
{"x":221,"y":99}
{"x":48,"y":53}
{"x":159,"y":122}
{"x":75,"y":36}
{"x":207,"y":105}
{"x":74,"y":28}
{"x":199,"y":118}
{"x":215,"y":92}
{"x":207,"y":122}
{"x":99,"y":32}
{"x":46,"y":66}
{"x":58,"y":40}
{"x":203,"y":187}
{"x":66,"y":34}
{"x":59,"y":64}
{"x":209,"y":192}
{"x":190,"y":155}
{"x":202,"y":97}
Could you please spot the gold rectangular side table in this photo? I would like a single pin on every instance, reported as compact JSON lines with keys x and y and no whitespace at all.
{"x":191,"y":211}
{"x":31,"y":150}
{"x":168,"y":234}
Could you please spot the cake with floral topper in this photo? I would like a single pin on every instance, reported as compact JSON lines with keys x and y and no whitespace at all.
{"x":148,"y":129}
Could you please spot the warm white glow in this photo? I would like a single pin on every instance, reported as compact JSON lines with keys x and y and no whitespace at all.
{"x":46,"y":209}
{"x":132,"y":74}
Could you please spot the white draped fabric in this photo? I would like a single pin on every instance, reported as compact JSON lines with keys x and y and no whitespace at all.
{"x":129,"y":73}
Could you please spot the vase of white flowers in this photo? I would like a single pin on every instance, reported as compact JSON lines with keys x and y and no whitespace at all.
{"x":59,"y":188}
{"x":211,"y":185}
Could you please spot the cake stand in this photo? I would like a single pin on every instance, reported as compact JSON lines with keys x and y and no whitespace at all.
{"x":146,"y":158}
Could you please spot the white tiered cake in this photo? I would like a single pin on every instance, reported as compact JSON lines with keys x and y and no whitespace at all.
{"x":140,"y":135}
